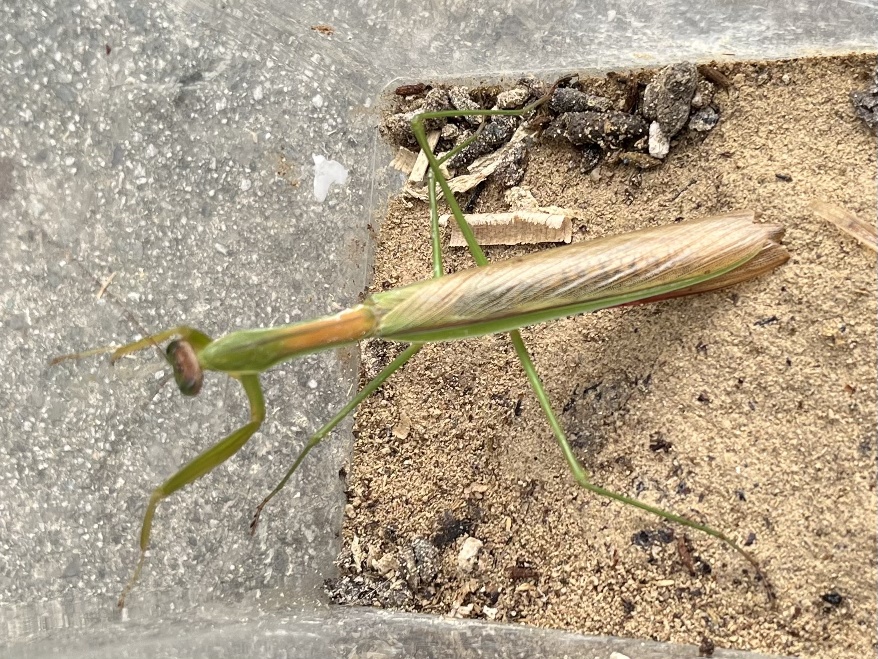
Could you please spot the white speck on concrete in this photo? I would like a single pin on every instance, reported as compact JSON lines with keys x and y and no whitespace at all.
{"x":317,"y":101}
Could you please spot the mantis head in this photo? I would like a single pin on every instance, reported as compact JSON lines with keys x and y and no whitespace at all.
{"x":188,"y":373}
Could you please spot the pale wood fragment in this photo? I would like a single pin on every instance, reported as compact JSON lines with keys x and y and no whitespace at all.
{"x":421,"y":164}
{"x":522,"y":227}
{"x":862,"y":231}
{"x":404,"y":160}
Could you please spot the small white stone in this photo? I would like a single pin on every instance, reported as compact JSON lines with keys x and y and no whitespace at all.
{"x":317,"y":101}
{"x":659,"y":144}
{"x":469,"y":553}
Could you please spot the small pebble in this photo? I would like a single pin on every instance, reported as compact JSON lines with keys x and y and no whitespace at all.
{"x":866,"y":104}
{"x":704,"y":93}
{"x":704,"y":120}
{"x":426,"y":558}
{"x":607,"y":130}
{"x":659,"y":143}
{"x":461,"y":100}
{"x":567,"y":99}
{"x":668,"y":97}
{"x":512,"y":99}
{"x":510,"y":170}
{"x":468,"y":555}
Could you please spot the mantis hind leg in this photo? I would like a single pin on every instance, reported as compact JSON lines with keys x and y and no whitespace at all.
{"x":579,"y":473}
{"x":582,"y":479}
{"x":202,"y":464}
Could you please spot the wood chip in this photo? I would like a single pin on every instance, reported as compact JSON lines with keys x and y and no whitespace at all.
{"x":863,"y":232}
{"x":402,"y":429}
{"x":404,"y":160}
{"x":419,"y":169}
{"x":523,"y":227}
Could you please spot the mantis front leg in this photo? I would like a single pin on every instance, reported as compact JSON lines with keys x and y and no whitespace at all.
{"x":203,"y":463}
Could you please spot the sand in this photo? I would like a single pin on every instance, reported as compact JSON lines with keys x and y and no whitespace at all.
{"x":751,"y":409}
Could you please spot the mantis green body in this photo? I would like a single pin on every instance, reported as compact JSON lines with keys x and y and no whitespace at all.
{"x":638,"y":267}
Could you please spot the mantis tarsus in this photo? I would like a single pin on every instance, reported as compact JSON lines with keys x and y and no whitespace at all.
{"x":638,"y":267}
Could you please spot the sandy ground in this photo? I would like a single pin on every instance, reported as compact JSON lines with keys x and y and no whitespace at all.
{"x":752,"y":409}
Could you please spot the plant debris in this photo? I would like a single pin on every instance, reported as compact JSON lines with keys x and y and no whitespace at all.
{"x":523,"y":227}
{"x":866,"y":103}
{"x":860,"y":230}
{"x":648,"y":110}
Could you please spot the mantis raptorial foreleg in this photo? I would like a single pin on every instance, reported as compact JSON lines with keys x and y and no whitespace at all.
{"x":643,"y":266}
{"x":202,"y":464}
{"x":189,"y":380}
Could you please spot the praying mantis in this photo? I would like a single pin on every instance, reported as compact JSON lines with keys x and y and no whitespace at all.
{"x":633,"y":268}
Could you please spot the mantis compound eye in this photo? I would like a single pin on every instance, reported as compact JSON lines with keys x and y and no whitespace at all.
{"x":187,"y":370}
